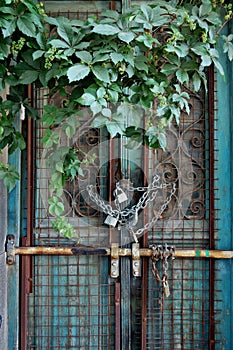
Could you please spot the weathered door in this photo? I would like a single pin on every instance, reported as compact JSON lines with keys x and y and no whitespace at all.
{"x":72,"y":302}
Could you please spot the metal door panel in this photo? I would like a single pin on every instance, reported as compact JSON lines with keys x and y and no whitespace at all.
{"x":75,"y":304}
{"x":72,"y":304}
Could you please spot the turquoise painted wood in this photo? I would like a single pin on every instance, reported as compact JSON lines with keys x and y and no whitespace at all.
{"x":14,"y":219}
{"x":3,"y":267}
{"x":224,"y":175}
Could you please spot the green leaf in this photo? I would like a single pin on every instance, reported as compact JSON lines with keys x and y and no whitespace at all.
{"x":4,"y":50}
{"x":229,"y":51}
{"x":175,"y":112}
{"x":140,"y":63}
{"x":113,"y":96}
{"x":77,"y":72}
{"x":99,"y":122}
{"x":205,"y":9}
{"x":86,"y":99}
{"x":196,"y":80}
{"x":21,"y":144}
{"x":84,"y":56}
{"x":101,"y":92}
{"x":162,"y":140}
{"x":28,"y":77}
{"x":9,"y":28}
{"x":105,"y":29}
{"x":206,"y":60}
{"x":59,"y":44}
{"x":130,"y":71}
{"x":113,"y":128}
{"x":50,"y":138}
{"x":127,"y":37}
{"x":26,"y":25}
{"x":218,"y":66}
{"x":59,"y":167}
{"x":96,"y":107}
{"x":101,"y":73}
{"x":9,"y":176}
{"x":182,"y":76}
{"x":106,"y":112}
{"x":55,"y":207}
{"x":65,"y":30}
{"x":8,"y":10}
{"x":100,"y":58}
{"x":159,"y":16}
{"x":70,"y":131}
{"x":169,"y":69}
{"x":116,"y":57}
{"x":111,"y":14}
{"x":37,"y":54}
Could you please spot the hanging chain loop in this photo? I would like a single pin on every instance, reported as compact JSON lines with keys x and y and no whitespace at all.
{"x":162,"y":253}
{"x":128,"y":217}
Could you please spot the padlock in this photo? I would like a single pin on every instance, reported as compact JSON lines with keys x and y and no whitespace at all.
{"x":111,"y":221}
{"x":166,"y":289}
{"x":121,"y":197}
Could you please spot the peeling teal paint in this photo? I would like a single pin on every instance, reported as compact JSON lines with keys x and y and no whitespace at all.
{"x":224,"y":176}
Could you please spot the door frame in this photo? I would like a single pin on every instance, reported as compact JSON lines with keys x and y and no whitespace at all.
{"x":222,"y":182}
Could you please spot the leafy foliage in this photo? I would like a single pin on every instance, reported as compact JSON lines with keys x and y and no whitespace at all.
{"x":153,"y":56}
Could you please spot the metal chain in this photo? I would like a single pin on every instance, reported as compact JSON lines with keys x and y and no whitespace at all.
{"x":129,"y":217}
{"x":139,"y":188}
{"x":107,"y":208}
{"x":163,"y":253}
{"x":151,"y":223}
{"x":142,"y":203}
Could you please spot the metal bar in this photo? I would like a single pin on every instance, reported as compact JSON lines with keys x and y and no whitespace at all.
{"x":211,"y":92}
{"x":179,"y":253}
{"x":112,"y":5}
{"x":145,"y":263}
{"x":144,"y":303}
{"x":117,"y":316}
{"x":26,"y":266}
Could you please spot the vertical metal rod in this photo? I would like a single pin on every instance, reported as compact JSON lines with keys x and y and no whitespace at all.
{"x":112,"y":5}
{"x":111,"y":182}
{"x":26,"y":263}
{"x":211,"y":89}
{"x":144,"y":266}
{"x":117,"y":316}
{"x":144,"y":303}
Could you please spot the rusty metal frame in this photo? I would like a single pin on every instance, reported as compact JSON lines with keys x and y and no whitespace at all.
{"x":26,"y":261}
{"x":27,"y":250}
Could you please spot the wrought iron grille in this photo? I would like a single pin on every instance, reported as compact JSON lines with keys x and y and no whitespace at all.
{"x":73,"y":303}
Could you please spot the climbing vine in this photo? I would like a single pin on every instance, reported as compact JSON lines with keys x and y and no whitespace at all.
{"x":153,"y":56}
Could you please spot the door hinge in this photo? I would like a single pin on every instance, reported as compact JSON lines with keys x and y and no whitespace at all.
{"x":10,"y":249}
{"x":136,"y":261}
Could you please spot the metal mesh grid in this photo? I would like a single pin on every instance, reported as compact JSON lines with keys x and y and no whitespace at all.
{"x":187,"y":309}
{"x":72,"y":302}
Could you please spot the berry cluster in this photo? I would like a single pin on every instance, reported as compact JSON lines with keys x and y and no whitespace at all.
{"x":50,"y":56}
{"x":17,"y":46}
{"x":41,"y":10}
